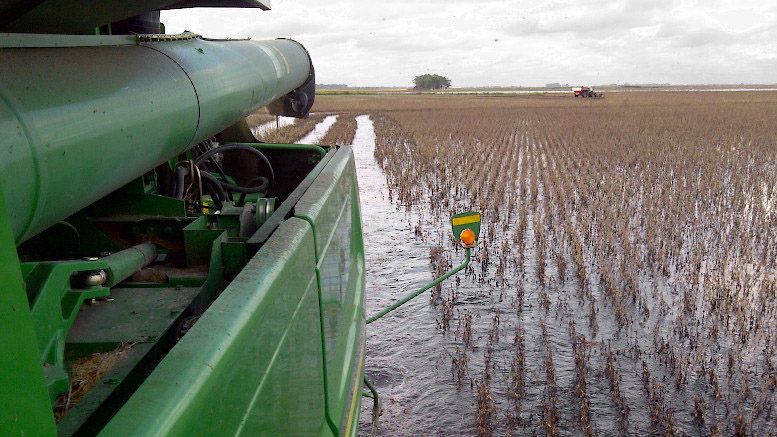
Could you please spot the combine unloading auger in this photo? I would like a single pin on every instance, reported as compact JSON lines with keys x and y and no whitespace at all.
{"x":96,"y":117}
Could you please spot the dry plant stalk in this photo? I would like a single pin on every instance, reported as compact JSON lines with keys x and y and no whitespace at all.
{"x":341,"y":132}
{"x":657,"y":210}
{"x":85,"y":374}
{"x":291,"y":133}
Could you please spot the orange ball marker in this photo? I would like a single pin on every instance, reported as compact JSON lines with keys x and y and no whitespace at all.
{"x":467,"y":237}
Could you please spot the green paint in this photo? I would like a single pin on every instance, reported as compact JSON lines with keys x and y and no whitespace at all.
{"x":466,"y":220}
{"x":269,"y":344}
{"x":331,"y":206}
{"x":57,"y":290}
{"x":198,"y":238}
{"x":140,"y":105}
{"x":137,"y":204}
{"x":25,"y":408}
{"x":278,"y":343}
{"x":256,"y":351}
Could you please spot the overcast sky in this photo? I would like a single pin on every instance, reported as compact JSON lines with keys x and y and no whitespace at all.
{"x":514,"y":43}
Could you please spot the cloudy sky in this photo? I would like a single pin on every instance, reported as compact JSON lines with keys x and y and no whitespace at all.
{"x":514,"y":43}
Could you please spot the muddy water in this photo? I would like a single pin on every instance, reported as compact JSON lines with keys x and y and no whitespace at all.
{"x":405,"y":353}
{"x":409,"y":356}
{"x":319,"y":131}
{"x":262,"y":129}
{"x":410,"y":352}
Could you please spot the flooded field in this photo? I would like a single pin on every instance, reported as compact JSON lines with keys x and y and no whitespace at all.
{"x":625,"y":278}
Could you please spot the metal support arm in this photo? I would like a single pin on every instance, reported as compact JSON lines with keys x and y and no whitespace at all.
{"x":428,"y":286}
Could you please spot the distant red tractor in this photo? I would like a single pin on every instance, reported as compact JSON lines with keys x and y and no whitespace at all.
{"x":585,"y":91}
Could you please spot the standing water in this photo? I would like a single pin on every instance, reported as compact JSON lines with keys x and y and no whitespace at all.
{"x":404,"y":351}
{"x":319,"y":131}
{"x":278,"y":123}
{"x":497,"y":350}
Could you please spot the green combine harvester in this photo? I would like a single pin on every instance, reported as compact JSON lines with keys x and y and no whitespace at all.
{"x":163,"y":273}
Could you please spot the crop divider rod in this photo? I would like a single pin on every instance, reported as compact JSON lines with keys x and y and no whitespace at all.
{"x":421,"y":290}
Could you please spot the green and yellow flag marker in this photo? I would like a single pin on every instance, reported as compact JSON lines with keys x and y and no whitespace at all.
{"x":466,"y":228}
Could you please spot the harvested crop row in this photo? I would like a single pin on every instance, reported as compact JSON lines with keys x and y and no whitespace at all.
{"x":646,"y":218}
{"x":341,"y":132}
{"x":292,"y":132}
{"x":259,"y":118}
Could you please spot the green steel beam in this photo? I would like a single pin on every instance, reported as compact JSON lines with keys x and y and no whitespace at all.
{"x":25,"y":408}
{"x":56,"y":291}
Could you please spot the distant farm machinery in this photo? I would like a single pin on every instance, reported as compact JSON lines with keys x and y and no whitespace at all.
{"x":585,"y":91}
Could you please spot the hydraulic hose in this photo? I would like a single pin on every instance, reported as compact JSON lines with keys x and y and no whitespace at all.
{"x":207,"y":145}
{"x":215,"y":184}
{"x":214,"y":194}
{"x":218,"y":189}
{"x":265,"y":183}
{"x":228,"y":147}
{"x":180,"y":178}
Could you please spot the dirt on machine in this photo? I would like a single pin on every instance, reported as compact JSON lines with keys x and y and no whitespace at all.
{"x":587,"y":91}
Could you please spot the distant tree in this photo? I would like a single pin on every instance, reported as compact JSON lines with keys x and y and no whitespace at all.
{"x":431,"y":82}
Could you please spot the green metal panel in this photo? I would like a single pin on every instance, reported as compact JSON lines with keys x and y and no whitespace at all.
{"x":253,"y":360}
{"x":123,"y":203}
{"x":134,"y":315}
{"x":144,"y":318}
{"x":198,"y":240}
{"x":84,"y":121}
{"x":331,"y":206}
{"x":24,"y":401}
{"x":327,"y":198}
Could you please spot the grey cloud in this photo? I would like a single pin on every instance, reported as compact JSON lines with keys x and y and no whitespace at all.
{"x":593,"y":18}
{"x":517,"y":42}
{"x":683,"y":34}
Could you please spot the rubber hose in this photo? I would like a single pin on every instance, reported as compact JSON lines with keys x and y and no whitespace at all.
{"x":214,"y":195}
{"x":217,"y":184}
{"x":180,"y":174}
{"x":264,"y":184}
{"x":208,"y":145}
{"x":228,"y":147}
